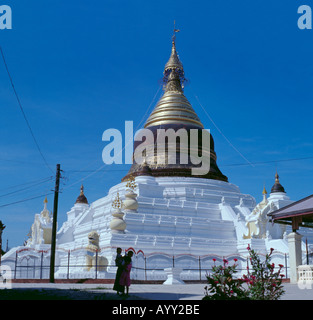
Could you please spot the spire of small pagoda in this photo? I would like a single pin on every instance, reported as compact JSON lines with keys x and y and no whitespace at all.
{"x":82,"y":198}
{"x":277,"y":187}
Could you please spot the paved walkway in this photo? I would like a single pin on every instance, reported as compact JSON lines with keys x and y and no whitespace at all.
{"x":163,"y":292}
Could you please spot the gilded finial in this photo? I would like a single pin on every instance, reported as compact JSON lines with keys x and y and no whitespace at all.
{"x":131,"y":184}
{"x":276,"y":177}
{"x":174,"y":36}
{"x":264,"y":191}
{"x":46,"y":200}
{"x":81,"y":190}
{"x":117,"y":202}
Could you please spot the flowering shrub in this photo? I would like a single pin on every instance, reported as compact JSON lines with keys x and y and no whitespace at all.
{"x":222,"y":285}
{"x":261,"y":283}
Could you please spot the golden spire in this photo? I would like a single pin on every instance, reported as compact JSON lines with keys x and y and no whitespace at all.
{"x":173,"y":107}
{"x":264,"y":190}
{"x":276,"y":177}
{"x":174,"y":63}
{"x":46,"y":200}
{"x":117,"y":202}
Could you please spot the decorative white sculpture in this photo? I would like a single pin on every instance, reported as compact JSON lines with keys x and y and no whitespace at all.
{"x":92,"y":258}
{"x":41,"y":229}
{"x":117,"y":224}
{"x":130,"y":203}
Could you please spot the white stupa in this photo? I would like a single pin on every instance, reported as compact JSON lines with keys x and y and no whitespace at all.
{"x":163,"y":212}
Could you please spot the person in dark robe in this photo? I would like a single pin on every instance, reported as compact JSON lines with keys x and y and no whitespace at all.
{"x":119,"y":262}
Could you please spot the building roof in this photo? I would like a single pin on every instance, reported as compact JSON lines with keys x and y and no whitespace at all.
{"x":302,"y":208}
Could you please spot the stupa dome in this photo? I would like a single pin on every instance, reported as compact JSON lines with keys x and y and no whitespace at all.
{"x":81,"y":198}
{"x":277,"y":187}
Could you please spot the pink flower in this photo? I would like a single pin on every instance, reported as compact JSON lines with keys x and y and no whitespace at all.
{"x":225,"y":261}
{"x":248,"y":248}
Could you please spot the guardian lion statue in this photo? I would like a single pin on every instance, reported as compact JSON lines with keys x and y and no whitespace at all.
{"x":91,"y":256}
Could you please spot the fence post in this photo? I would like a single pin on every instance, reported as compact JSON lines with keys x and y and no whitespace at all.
{"x":286,"y":265}
{"x":68,"y":264}
{"x":200,"y":267}
{"x":41,"y":262}
{"x":96,"y":270}
{"x":173,"y":262}
{"x":34,"y":272}
{"x":145,"y":268}
{"x":15,"y":267}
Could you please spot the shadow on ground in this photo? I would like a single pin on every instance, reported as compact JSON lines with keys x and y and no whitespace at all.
{"x":60,"y":294}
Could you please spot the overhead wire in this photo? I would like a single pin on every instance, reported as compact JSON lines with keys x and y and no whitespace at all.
{"x":220,"y":131}
{"x":269,"y":161}
{"x":26,"y":188}
{"x":24,"y":200}
{"x":92,"y":172}
{"x":23,"y":113}
{"x":25,"y":183}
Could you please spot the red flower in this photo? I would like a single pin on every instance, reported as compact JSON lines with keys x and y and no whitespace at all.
{"x":281,"y":266}
{"x":214,"y":259}
{"x":235,"y":260}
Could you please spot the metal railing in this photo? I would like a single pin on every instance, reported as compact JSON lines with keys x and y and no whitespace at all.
{"x":34,"y":264}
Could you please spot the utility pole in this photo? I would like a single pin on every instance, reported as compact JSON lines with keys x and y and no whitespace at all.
{"x":2,"y":227}
{"x":54,"y":223}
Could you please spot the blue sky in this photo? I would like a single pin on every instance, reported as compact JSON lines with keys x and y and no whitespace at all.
{"x":81,"y":68}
